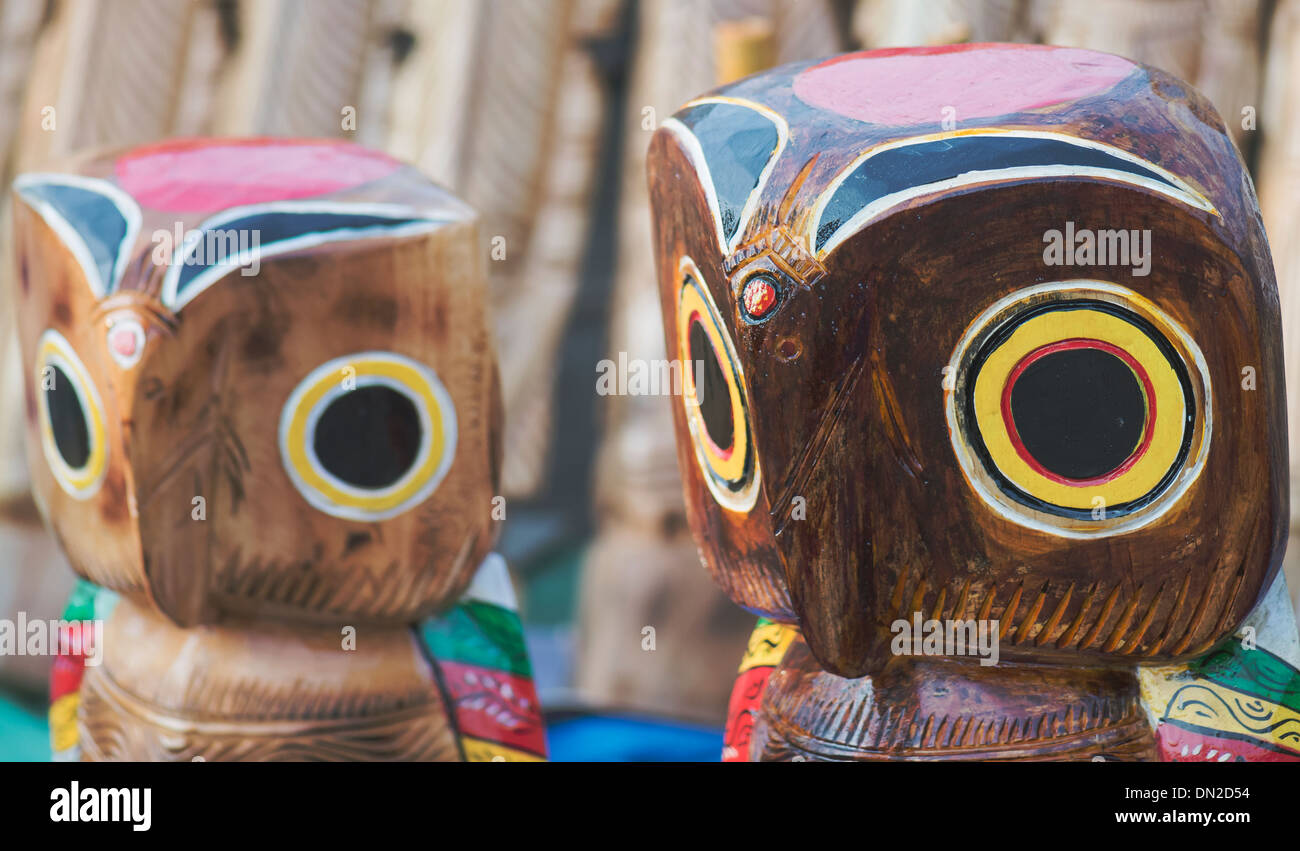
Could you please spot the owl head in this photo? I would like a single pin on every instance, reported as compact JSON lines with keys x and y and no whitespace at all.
{"x":259,"y":378}
{"x":985,"y":331}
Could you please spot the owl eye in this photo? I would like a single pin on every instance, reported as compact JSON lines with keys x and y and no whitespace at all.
{"x":714,"y":398}
{"x":368,"y":436}
{"x":758,"y":297}
{"x":1080,"y":410}
{"x":71,"y":416}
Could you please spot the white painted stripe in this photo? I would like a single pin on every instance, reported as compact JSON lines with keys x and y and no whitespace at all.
{"x":1179,"y":191}
{"x":75,"y":242}
{"x":491,"y":584}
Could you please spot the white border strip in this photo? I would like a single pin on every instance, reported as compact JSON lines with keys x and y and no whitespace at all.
{"x":970,"y":465}
{"x":1180,"y":191}
{"x":742,"y":501}
{"x":71,"y":237}
{"x":205,"y":279}
{"x":333,"y":368}
{"x":696,"y":155}
{"x":65,"y":357}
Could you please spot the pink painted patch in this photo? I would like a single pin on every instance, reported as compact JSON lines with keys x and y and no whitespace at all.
{"x":123,"y":341}
{"x":909,"y":86}
{"x":206,"y":175}
{"x":1179,"y":745}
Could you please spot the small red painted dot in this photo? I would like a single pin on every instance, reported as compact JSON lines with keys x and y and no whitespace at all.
{"x":759,"y":296}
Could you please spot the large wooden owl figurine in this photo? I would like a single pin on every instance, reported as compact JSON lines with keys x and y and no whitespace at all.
{"x":983,"y":408}
{"x":263,"y":422}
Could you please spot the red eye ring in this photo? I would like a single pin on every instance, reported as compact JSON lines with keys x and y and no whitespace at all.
{"x":759,"y":296}
{"x":1139,"y":374}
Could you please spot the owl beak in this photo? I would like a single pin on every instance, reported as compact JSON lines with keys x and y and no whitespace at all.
{"x":828,"y":551}
{"x":828,"y":566}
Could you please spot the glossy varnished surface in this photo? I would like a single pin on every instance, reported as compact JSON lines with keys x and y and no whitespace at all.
{"x":901,"y":236}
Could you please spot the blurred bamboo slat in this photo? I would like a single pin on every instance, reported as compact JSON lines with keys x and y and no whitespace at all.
{"x":1278,"y":177}
{"x":643,"y":555}
{"x":19,"y":22}
{"x":511,"y":121}
{"x":498,"y":100}
{"x":899,"y":23}
{"x":1212,"y":44}
{"x":113,"y":74}
{"x":297,"y":65}
{"x":743,"y":47}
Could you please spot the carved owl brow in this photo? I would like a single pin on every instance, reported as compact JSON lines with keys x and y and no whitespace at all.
{"x":96,"y":221}
{"x":236,"y":237}
{"x":734,"y":145}
{"x":887,"y":176}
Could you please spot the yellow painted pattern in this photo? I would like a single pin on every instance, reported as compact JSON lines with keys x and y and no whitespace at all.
{"x":767,"y":645}
{"x":63,"y":722}
{"x":1171,"y":694}
{"x":55,"y":351}
{"x":405,"y":376}
{"x":693,"y":303}
{"x":479,"y":750}
{"x":1053,"y":327}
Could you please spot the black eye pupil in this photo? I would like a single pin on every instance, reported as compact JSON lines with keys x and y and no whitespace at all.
{"x":369,"y":437}
{"x":1079,"y":412}
{"x":711,"y":389}
{"x":67,"y":420}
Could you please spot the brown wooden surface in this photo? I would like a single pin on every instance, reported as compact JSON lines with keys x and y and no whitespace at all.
{"x":847,"y":408}
{"x":198,"y":417}
{"x":935,"y":709}
{"x":232,"y":623}
{"x":643,"y":554}
{"x":254,"y":689}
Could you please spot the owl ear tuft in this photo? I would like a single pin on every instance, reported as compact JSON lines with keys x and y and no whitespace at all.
{"x":97,"y":221}
{"x":734,"y":145}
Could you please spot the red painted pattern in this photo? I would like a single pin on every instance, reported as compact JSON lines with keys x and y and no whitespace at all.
{"x":759,"y":297}
{"x":1179,"y":744}
{"x":746,"y":695}
{"x":911,"y":86}
{"x":1148,"y":390}
{"x":206,"y":175}
{"x":722,"y":452}
{"x":69,"y":667}
{"x":495,"y":706}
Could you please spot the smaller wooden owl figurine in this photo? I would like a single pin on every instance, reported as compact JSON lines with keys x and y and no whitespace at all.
{"x":263,"y":422}
{"x":984,"y":410}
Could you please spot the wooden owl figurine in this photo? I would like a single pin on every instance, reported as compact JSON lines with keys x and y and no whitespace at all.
{"x":263,"y":422}
{"x":983,"y":408}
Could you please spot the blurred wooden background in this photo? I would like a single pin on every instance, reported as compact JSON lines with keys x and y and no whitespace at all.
{"x":538,"y":113}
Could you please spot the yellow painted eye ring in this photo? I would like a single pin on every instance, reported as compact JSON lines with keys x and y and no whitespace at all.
{"x":1170,"y":374}
{"x":54,"y":352}
{"x":1144,"y":470}
{"x":333,"y":380}
{"x":730,"y":472}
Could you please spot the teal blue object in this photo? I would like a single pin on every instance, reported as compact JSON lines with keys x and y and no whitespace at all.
{"x":615,"y":738}
{"x":24,"y":733}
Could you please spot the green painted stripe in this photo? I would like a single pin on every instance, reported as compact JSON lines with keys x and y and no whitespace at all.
{"x":478,"y":633}
{"x":1255,"y":672}
{"x":81,"y":602}
{"x":89,"y":601}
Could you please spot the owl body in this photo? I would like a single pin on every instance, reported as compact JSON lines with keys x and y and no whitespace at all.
{"x":264,"y":417}
{"x":972,"y":327}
